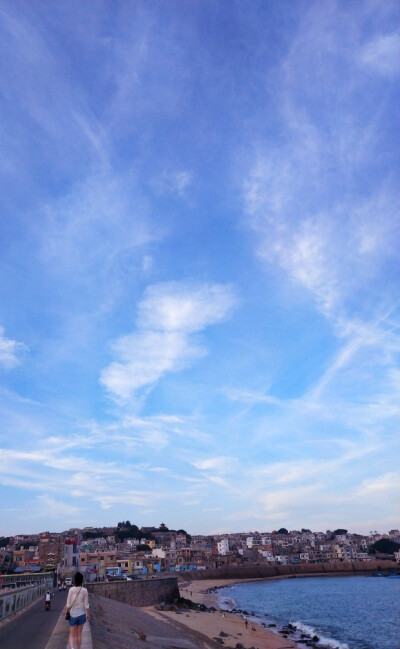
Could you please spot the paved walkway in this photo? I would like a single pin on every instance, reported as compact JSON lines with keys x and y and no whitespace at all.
{"x":118,"y":625}
{"x":59,"y":637}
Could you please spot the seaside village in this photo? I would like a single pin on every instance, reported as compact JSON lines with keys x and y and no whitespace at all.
{"x":128,"y":552}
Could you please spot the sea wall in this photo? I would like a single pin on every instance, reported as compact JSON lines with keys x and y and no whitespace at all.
{"x":143,"y":592}
{"x":263,"y":572}
{"x":147,"y":592}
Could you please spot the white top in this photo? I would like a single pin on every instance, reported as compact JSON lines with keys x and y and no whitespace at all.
{"x":77,"y":600}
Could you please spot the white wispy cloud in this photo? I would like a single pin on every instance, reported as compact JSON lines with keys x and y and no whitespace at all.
{"x":9,"y":351}
{"x":330,"y":238}
{"x":377,"y":487}
{"x":250,"y":397}
{"x":173,"y":182}
{"x":381,"y":54}
{"x":98,"y":224}
{"x":185,"y":307}
{"x":127,"y":497}
{"x":168,"y":316}
{"x":49,"y":508}
{"x":328,"y":254}
{"x":221,"y":464}
{"x":49,"y":99}
{"x":287,"y":499}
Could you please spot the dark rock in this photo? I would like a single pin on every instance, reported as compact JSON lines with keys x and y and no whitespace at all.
{"x":271,"y":625}
{"x":223,"y":634}
{"x":315,"y":638}
{"x":219,"y":640}
{"x":170,"y":607}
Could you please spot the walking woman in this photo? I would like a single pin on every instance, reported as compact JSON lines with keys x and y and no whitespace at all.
{"x":78,"y":608}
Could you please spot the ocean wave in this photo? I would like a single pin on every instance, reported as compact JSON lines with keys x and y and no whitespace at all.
{"x":228,"y":602}
{"x":323,"y":641}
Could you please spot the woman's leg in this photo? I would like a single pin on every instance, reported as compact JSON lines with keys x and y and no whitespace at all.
{"x":72,"y":637}
{"x":79,"y":630}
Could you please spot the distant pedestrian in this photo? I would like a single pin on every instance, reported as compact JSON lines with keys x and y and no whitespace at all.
{"x":246,"y":624}
{"x":78,"y":608}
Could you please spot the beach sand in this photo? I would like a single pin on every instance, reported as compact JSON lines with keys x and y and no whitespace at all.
{"x":211,"y":624}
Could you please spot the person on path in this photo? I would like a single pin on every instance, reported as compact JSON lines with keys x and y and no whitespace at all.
{"x":78,"y":608}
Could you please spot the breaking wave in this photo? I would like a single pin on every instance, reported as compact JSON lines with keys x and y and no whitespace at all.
{"x":323,"y":641}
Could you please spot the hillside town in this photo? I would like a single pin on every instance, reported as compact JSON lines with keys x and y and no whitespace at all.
{"x":129,"y":552}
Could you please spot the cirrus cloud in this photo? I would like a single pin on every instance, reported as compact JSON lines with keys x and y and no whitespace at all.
{"x":9,"y":350}
{"x":168,"y":315}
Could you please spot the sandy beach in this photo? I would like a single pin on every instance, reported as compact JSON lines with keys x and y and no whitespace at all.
{"x":211,"y":624}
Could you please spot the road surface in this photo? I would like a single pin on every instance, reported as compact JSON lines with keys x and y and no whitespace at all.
{"x":32,"y":628}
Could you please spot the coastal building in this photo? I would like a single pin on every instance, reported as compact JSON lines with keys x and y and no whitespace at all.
{"x":71,"y":553}
{"x":223,"y":546}
{"x":101,"y":558}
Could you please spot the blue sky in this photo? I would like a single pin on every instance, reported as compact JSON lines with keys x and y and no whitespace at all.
{"x":199,"y":287}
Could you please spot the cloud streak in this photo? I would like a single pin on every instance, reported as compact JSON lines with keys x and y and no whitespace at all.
{"x":168,"y":316}
{"x":10,"y":351}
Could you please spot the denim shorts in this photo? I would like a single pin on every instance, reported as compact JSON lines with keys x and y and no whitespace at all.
{"x":77,"y":621}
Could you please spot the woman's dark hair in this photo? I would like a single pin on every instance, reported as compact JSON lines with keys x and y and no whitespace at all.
{"x":78,"y":579}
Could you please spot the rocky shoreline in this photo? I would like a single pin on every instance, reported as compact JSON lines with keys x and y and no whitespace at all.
{"x":289,"y":630}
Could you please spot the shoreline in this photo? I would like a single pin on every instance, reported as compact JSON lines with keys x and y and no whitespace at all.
{"x":219,"y":625}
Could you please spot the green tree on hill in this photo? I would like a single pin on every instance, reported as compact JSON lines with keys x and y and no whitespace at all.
{"x":5,"y":541}
{"x":94,"y":535}
{"x":125,"y":530}
{"x":386,"y":546}
{"x":144,"y":548}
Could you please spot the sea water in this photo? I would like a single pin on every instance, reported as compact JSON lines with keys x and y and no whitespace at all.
{"x":357,"y":612}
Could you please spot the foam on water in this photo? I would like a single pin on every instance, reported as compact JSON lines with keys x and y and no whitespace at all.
{"x":331,"y":608}
{"x":323,"y":641}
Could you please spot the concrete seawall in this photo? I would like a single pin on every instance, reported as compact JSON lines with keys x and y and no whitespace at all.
{"x":146,"y":592}
{"x":263,"y":572}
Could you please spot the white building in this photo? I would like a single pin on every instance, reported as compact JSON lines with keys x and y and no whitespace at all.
{"x":267,"y":555}
{"x":223,"y":546}
{"x":71,"y":553}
